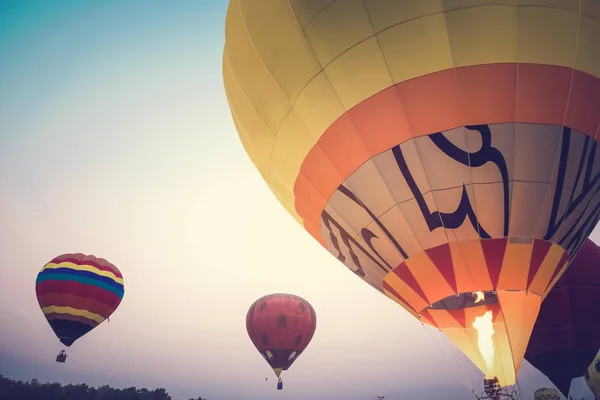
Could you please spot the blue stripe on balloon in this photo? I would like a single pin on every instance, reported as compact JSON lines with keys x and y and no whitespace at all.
{"x":115,"y":288}
{"x":78,"y":272}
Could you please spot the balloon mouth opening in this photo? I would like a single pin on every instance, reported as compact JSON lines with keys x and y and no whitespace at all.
{"x":466,"y":300}
{"x":66,"y":341}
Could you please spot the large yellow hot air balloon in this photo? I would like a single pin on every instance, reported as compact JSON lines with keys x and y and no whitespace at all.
{"x":446,"y":151}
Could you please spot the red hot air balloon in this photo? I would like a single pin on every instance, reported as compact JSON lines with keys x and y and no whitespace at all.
{"x":281,"y":326}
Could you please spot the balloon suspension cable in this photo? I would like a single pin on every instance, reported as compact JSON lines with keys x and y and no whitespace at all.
{"x":530,"y":376}
{"x":518,"y":387}
{"x":429,"y":332}
{"x":493,"y":391}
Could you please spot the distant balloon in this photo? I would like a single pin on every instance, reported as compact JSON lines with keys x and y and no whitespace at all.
{"x":281,"y":326}
{"x":592,"y":376}
{"x":546,"y":394}
{"x":76,"y":293}
{"x":566,"y":335}
{"x":446,"y":154}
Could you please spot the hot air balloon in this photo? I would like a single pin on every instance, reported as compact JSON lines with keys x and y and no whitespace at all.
{"x":592,"y":376}
{"x":76,"y":292}
{"x":445,"y":151}
{"x":566,"y":335}
{"x":281,"y":326}
{"x":546,"y":394}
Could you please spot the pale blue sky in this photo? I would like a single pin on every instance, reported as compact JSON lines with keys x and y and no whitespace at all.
{"x":116,"y":140}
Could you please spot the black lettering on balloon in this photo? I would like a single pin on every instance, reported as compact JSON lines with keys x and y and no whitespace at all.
{"x":487,"y":153}
{"x":455,"y":219}
{"x":435,"y":219}
{"x":580,"y":229}
{"x":366,"y":233}
{"x":368,"y":237}
{"x":571,"y":240}
{"x":349,"y":242}
{"x":583,"y":231}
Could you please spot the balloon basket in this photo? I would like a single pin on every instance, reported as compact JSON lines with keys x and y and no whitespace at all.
{"x":61,"y":357}
{"x":493,"y":391}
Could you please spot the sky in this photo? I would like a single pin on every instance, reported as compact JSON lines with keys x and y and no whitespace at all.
{"x":116,"y":140}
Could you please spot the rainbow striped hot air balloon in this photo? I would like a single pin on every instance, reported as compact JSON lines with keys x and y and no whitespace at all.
{"x":76,"y":293}
{"x":446,"y":151}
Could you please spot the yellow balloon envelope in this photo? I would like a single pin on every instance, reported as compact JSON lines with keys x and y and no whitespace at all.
{"x":546,"y":394}
{"x":445,"y":151}
{"x":592,"y":376}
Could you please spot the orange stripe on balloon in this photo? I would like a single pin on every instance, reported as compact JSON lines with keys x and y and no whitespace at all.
{"x":428,"y":278}
{"x":403,"y":291}
{"x":471,"y":268}
{"x":539,"y":252}
{"x":464,"y":280}
{"x":404,"y":272}
{"x":426,"y":318}
{"x":481,"y":94}
{"x":460,"y":316}
{"x":545,"y":272}
{"x":442,"y":259}
{"x":391,"y":292}
{"x":418,"y":282}
{"x":445,"y":319}
{"x":515,"y":266}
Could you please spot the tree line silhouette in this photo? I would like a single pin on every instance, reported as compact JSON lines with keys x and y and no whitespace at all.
{"x":33,"y":390}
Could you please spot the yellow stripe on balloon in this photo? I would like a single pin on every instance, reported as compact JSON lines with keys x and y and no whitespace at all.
{"x":541,"y":280}
{"x":72,"y":311}
{"x":293,"y":68}
{"x":89,"y":268}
